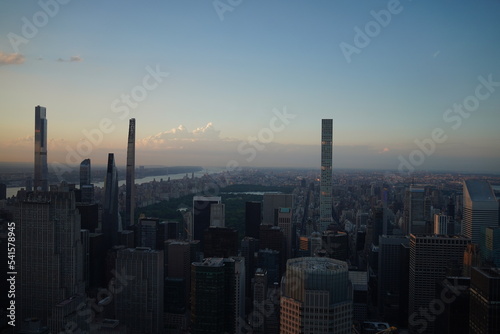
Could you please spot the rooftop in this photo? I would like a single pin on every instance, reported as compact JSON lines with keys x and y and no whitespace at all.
{"x":480,"y":190}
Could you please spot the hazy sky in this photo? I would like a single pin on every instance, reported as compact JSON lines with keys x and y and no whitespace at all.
{"x":206,"y":78}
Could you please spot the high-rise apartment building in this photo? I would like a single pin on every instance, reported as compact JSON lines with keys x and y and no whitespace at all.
{"x":317,"y":297}
{"x":480,"y":208}
{"x":110,"y":214}
{"x":431,"y":257}
{"x":50,"y":254}
{"x":139,"y":304}
{"x":326,"y":174}
{"x":130,"y":177}
{"x":40,"y":180}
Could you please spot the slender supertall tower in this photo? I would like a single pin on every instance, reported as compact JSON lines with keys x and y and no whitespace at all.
{"x":130,"y":192}
{"x":41,"y":170}
{"x":110,"y":215}
{"x":326,"y":174}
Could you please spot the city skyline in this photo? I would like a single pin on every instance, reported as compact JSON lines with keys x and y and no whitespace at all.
{"x":203,"y":81}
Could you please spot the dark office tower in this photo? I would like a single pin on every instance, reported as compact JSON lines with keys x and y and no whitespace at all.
{"x":336,"y":244}
{"x":130,"y":182}
{"x":89,"y":216}
{"x":389,"y":276}
{"x":249,"y":248}
{"x":201,"y":215}
{"x":272,"y":237}
{"x":480,"y":209}
{"x":253,"y":218}
{"x":139,"y":304}
{"x":40,"y":181}
{"x":50,"y":258}
{"x":286,"y":224}
{"x":484,"y":301}
{"x":86,"y":186}
{"x":490,"y":246}
{"x":271,"y":205}
{"x":220,"y":242}
{"x":110,"y":215}
{"x":96,"y":261}
{"x":150,"y":233}
{"x":3,"y":191}
{"x":454,"y":318}
{"x":415,"y":220}
{"x":270,"y":260}
{"x":325,"y":201}
{"x":85,"y":172}
{"x":257,"y":318}
{"x":209,"y":309}
{"x":431,"y":257}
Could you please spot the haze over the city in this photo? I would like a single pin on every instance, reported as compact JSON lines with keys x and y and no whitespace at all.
{"x":210,"y":82}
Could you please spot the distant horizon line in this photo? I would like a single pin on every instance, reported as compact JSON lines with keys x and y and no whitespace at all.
{"x":394,"y":171}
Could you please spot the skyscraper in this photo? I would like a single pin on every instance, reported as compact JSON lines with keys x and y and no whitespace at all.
{"x":40,"y":181}
{"x":253,"y":217}
{"x":217,"y":295}
{"x":480,"y":209}
{"x":414,"y":207}
{"x":317,"y":297}
{"x":86,"y":186}
{"x":271,"y":205}
{"x":326,"y":174}
{"x":50,"y":268}
{"x":139,"y":304}
{"x":484,"y":301}
{"x":130,"y":182}
{"x":201,"y":215}
{"x":286,"y":225}
{"x":110,"y":214}
{"x":430,"y":258}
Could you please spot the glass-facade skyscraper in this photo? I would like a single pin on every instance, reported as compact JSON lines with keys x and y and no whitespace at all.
{"x":40,"y":181}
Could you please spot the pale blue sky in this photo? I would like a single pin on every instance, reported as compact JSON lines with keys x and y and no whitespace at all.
{"x":232,"y":73}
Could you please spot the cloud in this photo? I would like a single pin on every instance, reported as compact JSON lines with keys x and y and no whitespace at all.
{"x":385,"y":150}
{"x":436,"y":53}
{"x":176,"y":137}
{"x":11,"y":58}
{"x":72,"y":59}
